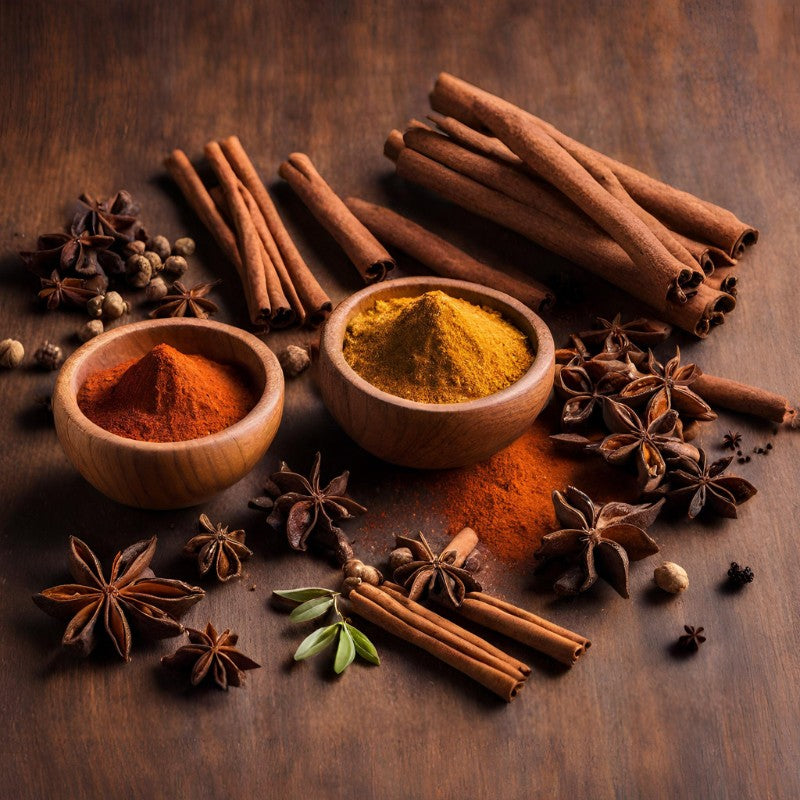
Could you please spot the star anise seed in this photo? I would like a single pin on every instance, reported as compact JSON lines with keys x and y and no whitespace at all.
{"x":731,"y":440}
{"x":57,"y":291}
{"x":599,"y":540}
{"x":211,"y":654}
{"x":304,"y":508}
{"x":215,"y":547}
{"x":132,"y":594}
{"x":615,"y":337}
{"x":184,"y":302}
{"x":692,"y":639}
{"x":429,"y":574}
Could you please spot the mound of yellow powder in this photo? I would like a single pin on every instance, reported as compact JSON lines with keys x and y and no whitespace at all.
{"x":436,"y":348}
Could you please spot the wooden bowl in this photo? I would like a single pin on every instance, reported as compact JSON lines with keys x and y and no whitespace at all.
{"x":431,"y":435}
{"x":162,"y":475}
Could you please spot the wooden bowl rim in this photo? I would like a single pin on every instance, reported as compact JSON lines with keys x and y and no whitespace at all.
{"x":335,"y":325}
{"x":266,"y":405}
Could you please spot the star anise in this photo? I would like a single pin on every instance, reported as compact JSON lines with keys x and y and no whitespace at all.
{"x":132,"y":593}
{"x":216,"y":547}
{"x":667,"y":386}
{"x":304,"y":508}
{"x":211,"y":654}
{"x":56,"y":291}
{"x":692,"y":639}
{"x":731,"y":440}
{"x":616,"y":337}
{"x":602,"y":540}
{"x":583,"y":394}
{"x":431,"y":574}
{"x":118,"y":217}
{"x":184,"y":302}
{"x":704,"y":486}
{"x":646,"y":444}
{"x":83,"y":253}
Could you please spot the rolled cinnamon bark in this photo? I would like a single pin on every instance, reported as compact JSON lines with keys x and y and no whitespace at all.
{"x":707,"y":254}
{"x":444,"y":258}
{"x":198,"y":198}
{"x":744,"y":399}
{"x":725,"y":280}
{"x":475,"y":140}
{"x":542,"y":153}
{"x":431,"y":635}
{"x":316,"y":303}
{"x":679,"y":210}
{"x":578,"y":243}
{"x":462,"y":544}
{"x":284,"y":301}
{"x":369,"y":257}
{"x":248,"y":243}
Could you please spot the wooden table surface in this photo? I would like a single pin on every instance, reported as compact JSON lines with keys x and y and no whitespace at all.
{"x":92,"y":96}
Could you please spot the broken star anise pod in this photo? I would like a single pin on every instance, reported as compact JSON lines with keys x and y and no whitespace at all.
{"x":308,"y":510}
{"x":599,"y":540}
{"x":692,"y":639}
{"x":703,"y":486}
{"x":731,"y":440}
{"x":583,"y":394}
{"x":82,"y":253}
{"x":211,"y":654}
{"x":646,"y":443}
{"x":667,"y":386}
{"x":216,"y":547}
{"x":430,"y":574}
{"x":57,"y":291}
{"x":132,"y":594}
{"x":184,"y":302}
{"x":617,"y":337}
{"x":118,"y":217}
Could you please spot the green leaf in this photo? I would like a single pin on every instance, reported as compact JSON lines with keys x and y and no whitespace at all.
{"x":345,"y":652}
{"x":363,"y":645}
{"x":311,"y":609}
{"x":301,"y":595}
{"x":316,"y":642}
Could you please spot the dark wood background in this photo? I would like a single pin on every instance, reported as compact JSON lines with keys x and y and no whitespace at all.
{"x":703,"y":94}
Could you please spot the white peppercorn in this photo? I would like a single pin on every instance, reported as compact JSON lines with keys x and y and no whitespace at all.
{"x":11,"y":353}
{"x":161,"y":246}
{"x":176,"y":265}
{"x":294,"y":360}
{"x":156,"y":264}
{"x":90,"y":329}
{"x":183,"y":247}
{"x":114,"y":306}
{"x":49,"y":356}
{"x":671,"y":577}
{"x":139,"y":271}
{"x":156,"y":289}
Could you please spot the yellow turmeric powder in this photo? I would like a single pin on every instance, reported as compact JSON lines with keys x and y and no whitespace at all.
{"x":435,"y":348}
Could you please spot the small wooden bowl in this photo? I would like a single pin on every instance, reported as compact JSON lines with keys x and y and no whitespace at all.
{"x":162,"y":475}
{"x":431,"y":435}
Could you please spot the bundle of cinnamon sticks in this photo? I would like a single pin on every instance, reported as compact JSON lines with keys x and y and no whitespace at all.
{"x":669,"y":249}
{"x":279,"y":288}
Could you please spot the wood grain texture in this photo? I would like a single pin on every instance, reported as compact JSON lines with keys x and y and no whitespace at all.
{"x":425,"y":435}
{"x":703,"y":95}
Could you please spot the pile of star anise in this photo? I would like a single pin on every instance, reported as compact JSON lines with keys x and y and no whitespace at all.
{"x":633,"y":410}
{"x":98,"y":251}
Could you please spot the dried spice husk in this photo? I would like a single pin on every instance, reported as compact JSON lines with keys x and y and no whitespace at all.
{"x":614,"y":336}
{"x":647,"y":443}
{"x":217,"y":548}
{"x":667,"y":386}
{"x":56,"y":292}
{"x":583,"y":395}
{"x":117,"y":217}
{"x":211,"y":654}
{"x":598,"y":541}
{"x":703,"y":487}
{"x":306,"y":510}
{"x":183,"y":301}
{"x":132,"y":594}
{"x":431,"y":574}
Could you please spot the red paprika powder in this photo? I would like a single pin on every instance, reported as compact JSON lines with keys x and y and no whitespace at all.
{"x":167,"y":396}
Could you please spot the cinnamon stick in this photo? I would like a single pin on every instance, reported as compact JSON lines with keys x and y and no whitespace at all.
{"x":578,"y":242}
{"x":707,"y":254}
{"x":198,"y":198}
{"x":679,"y":210}
{"x":444,"y":258}
{"x":744,"y":399}
{"x":248,"y":243}
{"x":367,"y":254}
{"x":601,"y":202}
{"x":315,"y":301}
{"x":447,"y":642}
{"x":725,"y":280}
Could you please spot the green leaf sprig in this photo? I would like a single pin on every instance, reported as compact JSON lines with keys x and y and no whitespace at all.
{"x":315,"y":602}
